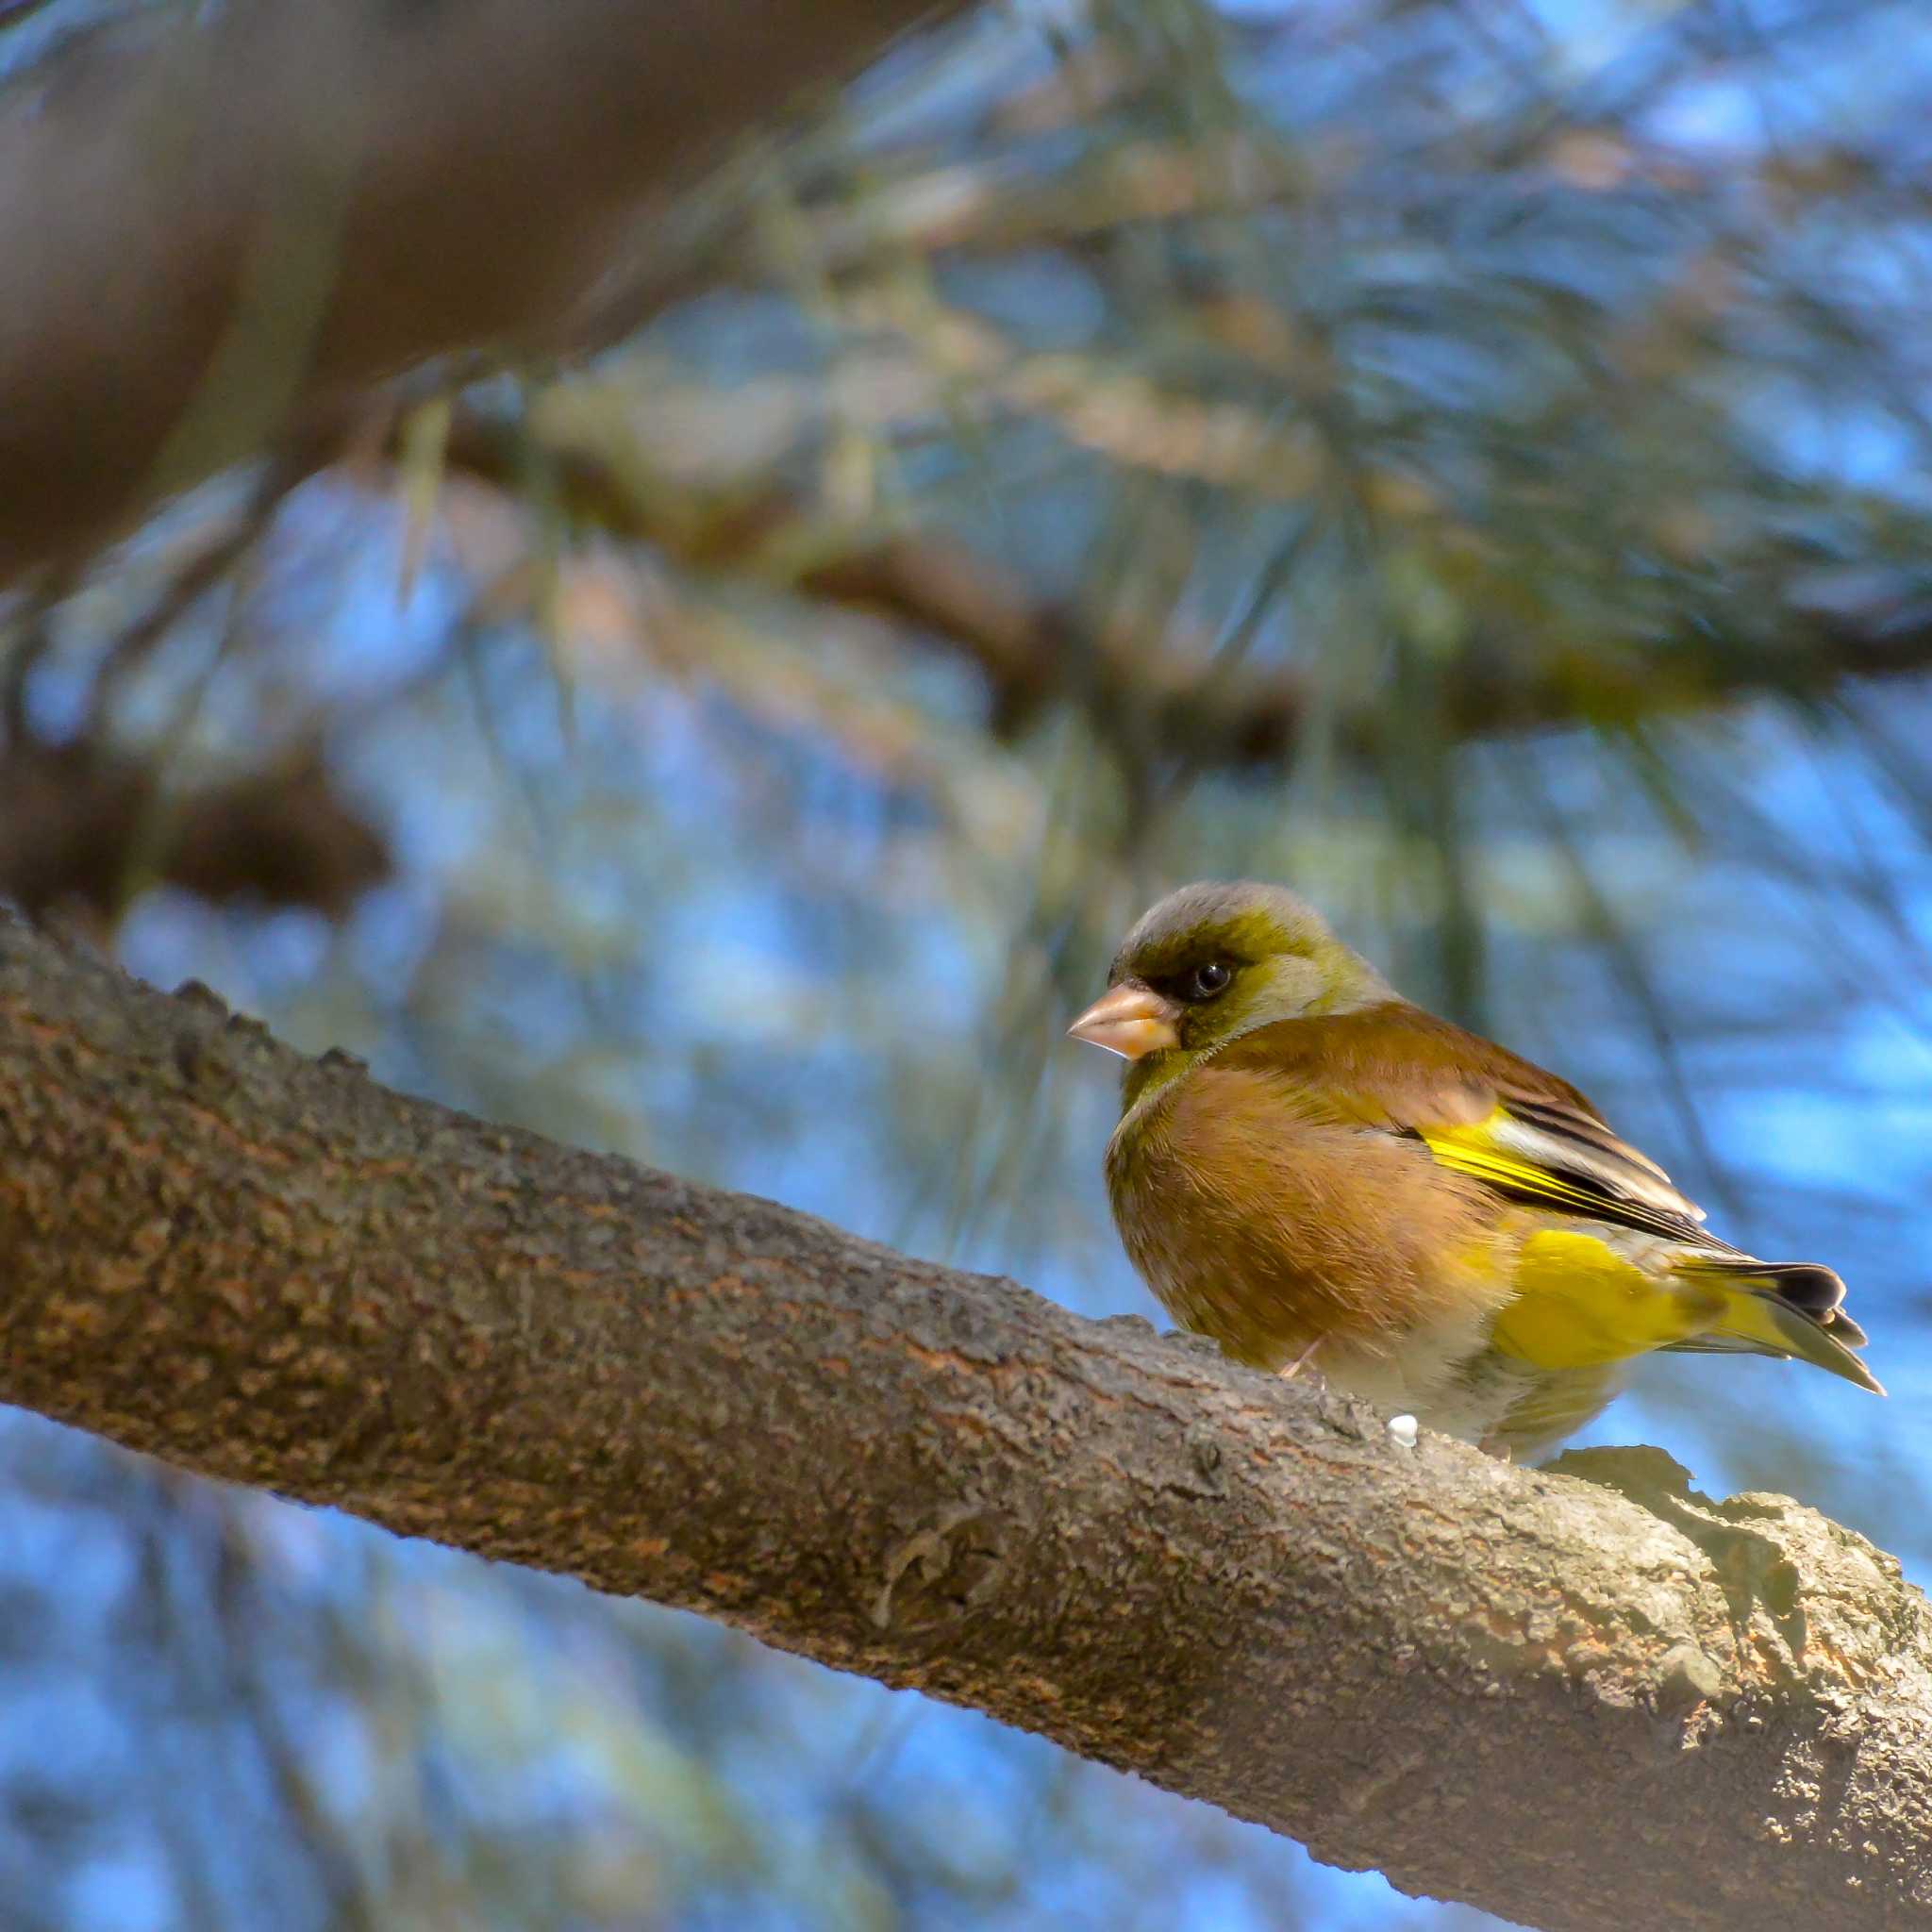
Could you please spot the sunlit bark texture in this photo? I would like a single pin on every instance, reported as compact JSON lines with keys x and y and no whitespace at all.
{"x":1579,"y":1702}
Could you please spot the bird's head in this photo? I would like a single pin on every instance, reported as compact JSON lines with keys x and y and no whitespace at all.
{"x":1213,"y":961}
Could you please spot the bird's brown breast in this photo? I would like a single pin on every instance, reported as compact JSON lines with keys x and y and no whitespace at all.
{"x":1268,"y":1221}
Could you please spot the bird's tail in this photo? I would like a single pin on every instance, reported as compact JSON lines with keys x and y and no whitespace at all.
{"x":1791,"y":1308}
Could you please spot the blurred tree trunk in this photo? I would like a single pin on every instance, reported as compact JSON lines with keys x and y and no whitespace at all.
{"x":1581,"y":1704}
{"x":217,"y":232}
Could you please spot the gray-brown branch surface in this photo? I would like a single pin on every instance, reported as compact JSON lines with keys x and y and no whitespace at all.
{"x":1579,"y":1702}
{"x":210,"y":230}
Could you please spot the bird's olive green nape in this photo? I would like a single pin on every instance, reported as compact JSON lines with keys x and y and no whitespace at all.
{"x":1215,"y":960}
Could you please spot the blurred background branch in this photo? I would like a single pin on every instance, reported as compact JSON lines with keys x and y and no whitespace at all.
{"x":220,"y":230}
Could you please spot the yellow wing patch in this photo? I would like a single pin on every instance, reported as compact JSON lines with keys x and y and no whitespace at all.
{"x":1469,"y":1151}
{"x":1567,"y":1161}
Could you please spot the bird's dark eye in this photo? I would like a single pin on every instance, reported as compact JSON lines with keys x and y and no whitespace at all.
{"x":1206,"y":980}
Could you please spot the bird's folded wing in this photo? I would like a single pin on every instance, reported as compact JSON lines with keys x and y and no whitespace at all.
{"x":1480,"y":1109}
{"x":1529,"y":1137}
{"x":1555,"y":1153}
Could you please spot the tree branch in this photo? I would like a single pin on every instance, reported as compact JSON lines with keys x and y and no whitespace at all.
{"x":82,"y":828}
{"x":215,"y":229}
{"x":1577,"y":1706}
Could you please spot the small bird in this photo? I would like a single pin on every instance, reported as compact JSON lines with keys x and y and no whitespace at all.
{"x":1310,"y":1169}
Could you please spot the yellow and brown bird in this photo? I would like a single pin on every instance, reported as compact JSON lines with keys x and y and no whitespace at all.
{"x":1309,"y":1168}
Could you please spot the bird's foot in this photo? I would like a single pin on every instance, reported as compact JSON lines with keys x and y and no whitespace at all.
{"x":1495,"y":1445}
{"x":1301,"y":1361}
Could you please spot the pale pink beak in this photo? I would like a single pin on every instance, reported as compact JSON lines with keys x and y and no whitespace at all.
{"x":1132,"y":1020}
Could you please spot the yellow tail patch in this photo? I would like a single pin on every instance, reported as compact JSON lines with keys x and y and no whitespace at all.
{"x":1579,"y":1304}
{"x":1756,"y":1316}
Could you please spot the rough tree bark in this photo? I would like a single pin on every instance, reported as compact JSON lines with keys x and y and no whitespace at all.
{"x":1582,"y":1706}
{"x":212,"y":230}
